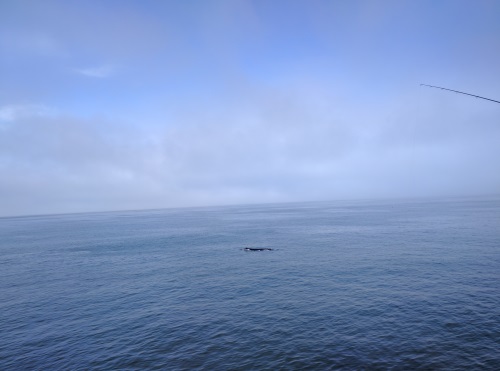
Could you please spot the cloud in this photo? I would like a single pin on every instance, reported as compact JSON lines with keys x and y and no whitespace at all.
{"x":266,"y":146}
{"x":33,"y":43}
{"x":238,"y":102}
{"x":98,"y":72}
{"x":10,"y":113}
{"x":60,"y":163}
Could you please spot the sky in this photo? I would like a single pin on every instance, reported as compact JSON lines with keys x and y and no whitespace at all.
{"x":141,"y":104}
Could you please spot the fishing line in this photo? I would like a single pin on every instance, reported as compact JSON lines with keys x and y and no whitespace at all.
{"x":460,"y":92}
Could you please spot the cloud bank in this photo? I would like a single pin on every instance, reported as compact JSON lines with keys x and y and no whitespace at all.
{"x":227,"y":103}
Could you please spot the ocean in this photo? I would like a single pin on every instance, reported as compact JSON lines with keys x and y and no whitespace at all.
{"x":354,"y":285}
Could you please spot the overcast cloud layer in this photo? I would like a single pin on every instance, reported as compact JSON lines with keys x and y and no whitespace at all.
{"x":109,"y":105}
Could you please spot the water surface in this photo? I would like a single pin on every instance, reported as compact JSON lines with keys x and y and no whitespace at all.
{"x":353,"y":285}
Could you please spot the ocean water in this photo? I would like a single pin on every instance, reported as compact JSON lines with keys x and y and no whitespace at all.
{"x":407,"y":285}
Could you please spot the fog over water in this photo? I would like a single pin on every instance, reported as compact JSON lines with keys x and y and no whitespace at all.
{"x":143,"y":104}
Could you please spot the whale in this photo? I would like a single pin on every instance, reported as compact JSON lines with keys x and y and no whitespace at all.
{"x":257,"y":249}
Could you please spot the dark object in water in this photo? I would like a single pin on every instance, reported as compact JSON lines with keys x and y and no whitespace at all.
{"x":460,"y":92}
{"x":257,"y":249}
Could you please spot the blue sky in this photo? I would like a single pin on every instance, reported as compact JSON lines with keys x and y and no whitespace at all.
{"x":108,"y":105}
